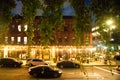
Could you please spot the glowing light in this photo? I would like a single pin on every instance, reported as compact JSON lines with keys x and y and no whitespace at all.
{"x":109,"y":22}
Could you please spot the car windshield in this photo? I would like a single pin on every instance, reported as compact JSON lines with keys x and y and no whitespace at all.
{"x":37,"y":60}
{"x":53,"y":67}
{"x":14,"y":59}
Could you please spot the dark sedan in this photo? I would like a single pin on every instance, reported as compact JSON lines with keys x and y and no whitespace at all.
{"x":44,"y":71}
{"x":68,"y":64}
{"x":10,"y":62}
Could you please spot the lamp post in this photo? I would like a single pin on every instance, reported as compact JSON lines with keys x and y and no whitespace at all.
{"x":111,"y":26}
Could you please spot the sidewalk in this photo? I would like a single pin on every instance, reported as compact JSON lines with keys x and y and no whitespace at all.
{"x":95,"y":63}
{"x":92,"y":63}
{"x":99,"y":63}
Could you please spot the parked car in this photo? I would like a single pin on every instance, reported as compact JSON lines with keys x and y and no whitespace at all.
{"x":68,"y":64}
{"x":10,"y":62}
{"x":44,"y":71}
{"x":118,"y":68}
{"x":34,"y":62}
{"x":117,"y":59}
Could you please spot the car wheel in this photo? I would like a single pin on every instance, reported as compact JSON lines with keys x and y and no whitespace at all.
{"x":15,"y":65}
{"x":61,"y":66}
{"x":77,"y":66}
{"x":1,"y":65}
{"x":56,"y":75}
{"x":35,"y":75}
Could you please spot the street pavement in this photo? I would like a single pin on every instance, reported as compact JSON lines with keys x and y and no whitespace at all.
{"x":97,"y":72}
{"x":100,"y":63}
{"x":91,"y":63}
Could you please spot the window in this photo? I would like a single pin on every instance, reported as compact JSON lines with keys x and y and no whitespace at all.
{"x":12,"y":28}
{"x":19,"y":28}
{"x":66,"y":40}
{"x":59,"y":40}
{"x":87,"y":40}
{"x":65,"y":27}
{"x":18,"y":39}
{"x":25,"y":27}
{"x":73,"y":40}
{"x":25,"y":40}
{"x":52,"y":40}
{"x":12,"y":39}
{"x":6,"y":40}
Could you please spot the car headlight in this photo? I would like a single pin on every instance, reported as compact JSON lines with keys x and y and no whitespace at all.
{"x":60,"y":72}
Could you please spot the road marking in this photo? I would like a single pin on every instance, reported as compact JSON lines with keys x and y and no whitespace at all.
{"x":107,"y":70}
{"x":96,"y":75}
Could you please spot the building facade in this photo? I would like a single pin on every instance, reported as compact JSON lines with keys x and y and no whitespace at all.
{"x":62,"y":45}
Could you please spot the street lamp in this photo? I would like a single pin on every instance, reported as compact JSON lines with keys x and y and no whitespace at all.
{"x":109,"y":22}
{"x":111,"y":26}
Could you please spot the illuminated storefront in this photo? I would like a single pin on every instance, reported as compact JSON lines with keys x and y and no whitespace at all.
{"x":53,"y":53}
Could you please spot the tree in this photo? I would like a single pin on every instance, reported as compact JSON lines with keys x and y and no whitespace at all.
{"x":82,"y":20}
{"x":82,"y":25}
{"x":5,"y":16}
{"x":29,"y":11}
{"x":104,"y":10}
{"x":51,"y":18}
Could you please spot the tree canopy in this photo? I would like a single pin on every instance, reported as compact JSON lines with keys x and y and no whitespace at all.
{"x":82,"y":19}
{"x":52,"y":15}
{"x":104,"y":10}
{"x":5,"y":16}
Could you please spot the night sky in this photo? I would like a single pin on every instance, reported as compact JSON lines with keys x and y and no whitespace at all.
{"x":67,"y":9}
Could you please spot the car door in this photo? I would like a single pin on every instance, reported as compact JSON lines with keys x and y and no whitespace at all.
{"x":69,"y":64}
{"x":10,"y":62}
{"x":48,"y":72}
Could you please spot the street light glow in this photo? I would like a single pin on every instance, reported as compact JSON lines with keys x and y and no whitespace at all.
{"x":109,"y":22}
{"x":112,"y":27}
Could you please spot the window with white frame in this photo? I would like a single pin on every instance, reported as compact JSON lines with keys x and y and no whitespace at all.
{"x":25,"y":27}
{"x":12,"y":39}
{"x":18,"y":39}
{"x":19,"y":28}
{"x":25,"y":40}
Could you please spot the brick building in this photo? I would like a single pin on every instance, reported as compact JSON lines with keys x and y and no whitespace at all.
{"x":62,"y":44}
